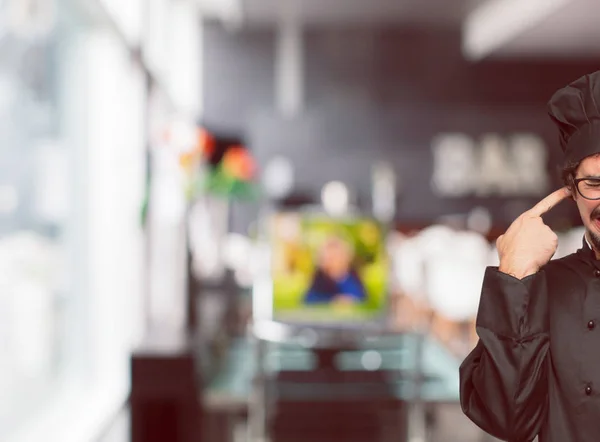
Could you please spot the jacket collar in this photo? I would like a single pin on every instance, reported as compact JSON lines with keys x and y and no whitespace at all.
{"x":587,"y":253}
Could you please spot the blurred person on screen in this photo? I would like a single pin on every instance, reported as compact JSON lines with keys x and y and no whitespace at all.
{"x":335,"y":280}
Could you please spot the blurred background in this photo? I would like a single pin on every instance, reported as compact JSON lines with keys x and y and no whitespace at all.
{"x":146,"y":146}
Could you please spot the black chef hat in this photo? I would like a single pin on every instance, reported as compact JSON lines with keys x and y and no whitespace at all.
{"x":576,"y":111}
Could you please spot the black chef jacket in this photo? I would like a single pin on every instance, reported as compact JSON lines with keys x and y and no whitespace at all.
{"x":536,"y":367}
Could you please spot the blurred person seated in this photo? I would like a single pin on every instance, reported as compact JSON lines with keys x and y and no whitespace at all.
{"x":438,"y":271}
{"x":454,"y":280}
{"x":409,"y":298}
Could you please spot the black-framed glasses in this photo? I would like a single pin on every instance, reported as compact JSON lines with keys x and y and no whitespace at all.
{"x":588,"y":188}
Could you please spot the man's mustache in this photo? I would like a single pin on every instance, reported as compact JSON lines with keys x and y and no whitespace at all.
{"x":596,"y":213}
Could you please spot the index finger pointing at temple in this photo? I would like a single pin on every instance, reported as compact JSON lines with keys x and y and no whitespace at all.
{"x":549,"y":202}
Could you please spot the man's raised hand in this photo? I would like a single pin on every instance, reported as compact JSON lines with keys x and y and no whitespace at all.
{"x":528,"y":244}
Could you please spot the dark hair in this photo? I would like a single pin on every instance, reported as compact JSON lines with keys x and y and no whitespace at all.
{"x":568,"y":173}
{"x":569,"y":170}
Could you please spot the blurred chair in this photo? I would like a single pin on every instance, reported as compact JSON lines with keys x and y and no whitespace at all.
{"x":346,"y":394}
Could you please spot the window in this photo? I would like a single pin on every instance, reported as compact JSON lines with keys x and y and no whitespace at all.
{"x":72,"y":174}
{"x":37,"y":215}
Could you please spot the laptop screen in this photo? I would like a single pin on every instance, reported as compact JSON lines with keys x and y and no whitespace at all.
{"x":327,"y":270}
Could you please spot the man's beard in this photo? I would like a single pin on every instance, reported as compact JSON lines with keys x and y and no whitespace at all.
{"x":594,"y":238}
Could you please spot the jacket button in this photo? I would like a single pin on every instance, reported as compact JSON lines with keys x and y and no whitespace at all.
{"x":597,"y":273}
{"x":588,"y":390}
{"x":591,"y":324}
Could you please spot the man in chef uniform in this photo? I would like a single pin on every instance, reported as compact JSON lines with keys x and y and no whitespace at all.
{"x":536,"y":368}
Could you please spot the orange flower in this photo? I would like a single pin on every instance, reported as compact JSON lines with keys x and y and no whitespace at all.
{"x":238,"y":163}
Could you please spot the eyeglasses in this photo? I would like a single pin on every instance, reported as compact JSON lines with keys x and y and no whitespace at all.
{"x":589,"y":188}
